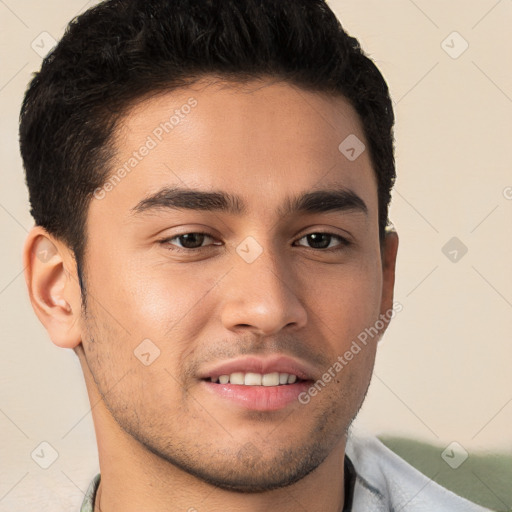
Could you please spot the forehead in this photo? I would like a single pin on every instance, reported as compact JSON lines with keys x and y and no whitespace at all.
{"x":256,"y":140}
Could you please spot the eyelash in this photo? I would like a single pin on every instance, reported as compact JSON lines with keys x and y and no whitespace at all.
{"x":166,"y":242}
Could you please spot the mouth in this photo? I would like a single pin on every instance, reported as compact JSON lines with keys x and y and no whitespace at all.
{"x":258,"y":384}
{"x":256,"y":379}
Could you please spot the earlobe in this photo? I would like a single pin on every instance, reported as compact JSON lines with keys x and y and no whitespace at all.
{"x":52,"y":286}
{"x":389,"y":250}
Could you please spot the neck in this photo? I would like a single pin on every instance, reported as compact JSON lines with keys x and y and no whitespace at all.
{"x":130,"y":492}
{"x":134,"y":479}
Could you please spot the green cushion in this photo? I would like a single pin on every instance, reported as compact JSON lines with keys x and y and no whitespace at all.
{"x":484,"y":478}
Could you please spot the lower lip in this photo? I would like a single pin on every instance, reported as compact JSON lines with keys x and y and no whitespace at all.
{"x":259,"y":398}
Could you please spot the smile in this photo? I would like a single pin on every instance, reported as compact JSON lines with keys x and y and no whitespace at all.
{"x":256,"y":379}
{"x":259,"y":384}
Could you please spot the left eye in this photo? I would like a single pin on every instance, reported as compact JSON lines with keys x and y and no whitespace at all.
{"x":188,"y":241}
{"x":319,"y":240}
{"x":192,"y":241}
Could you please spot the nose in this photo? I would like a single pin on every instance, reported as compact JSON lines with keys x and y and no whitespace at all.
{"x":262,"y":296}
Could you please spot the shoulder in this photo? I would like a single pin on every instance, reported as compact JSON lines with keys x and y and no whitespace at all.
{"x":387,"y":482}
{"x":90,"y":495}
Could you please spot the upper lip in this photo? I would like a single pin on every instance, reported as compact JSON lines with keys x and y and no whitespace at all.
{"x":279,"y":363}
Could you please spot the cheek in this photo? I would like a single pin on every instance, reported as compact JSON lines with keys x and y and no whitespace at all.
{"x":134,"y":310}
{"x":346,"y":301}
{"x":166,"y":301}
{"x":132,"y":377}
{"x":152,"y":300}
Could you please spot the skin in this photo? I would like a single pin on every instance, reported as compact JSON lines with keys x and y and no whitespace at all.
{"x":164,"y":443}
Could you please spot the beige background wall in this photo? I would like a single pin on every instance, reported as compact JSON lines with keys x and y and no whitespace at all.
{"x":443,"y":372}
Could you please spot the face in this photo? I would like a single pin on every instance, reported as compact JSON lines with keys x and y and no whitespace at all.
{"x":249,"y":284}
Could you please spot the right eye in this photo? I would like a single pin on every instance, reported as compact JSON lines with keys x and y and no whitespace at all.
{"x":320,"y":237}
{"x":189,"y":241}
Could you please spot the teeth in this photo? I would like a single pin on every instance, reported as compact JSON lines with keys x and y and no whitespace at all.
{"x":252,"y":379}
{"x":256,"y":379}
{"x":270,"y":379}
{"x":237,"y":378}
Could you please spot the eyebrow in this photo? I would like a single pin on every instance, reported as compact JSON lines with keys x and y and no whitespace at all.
{"x":316,"y":201}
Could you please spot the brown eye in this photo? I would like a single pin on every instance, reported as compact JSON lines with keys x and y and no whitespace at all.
{"x":186,"y":241}
{"x":191,"y":240}
{"x":323,"y":240}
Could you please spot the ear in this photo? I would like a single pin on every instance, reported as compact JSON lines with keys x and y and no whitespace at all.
{"x":389,"y":249}
{"x":51,"y":277}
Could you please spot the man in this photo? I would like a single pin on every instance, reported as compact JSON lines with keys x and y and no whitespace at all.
{"x":210,"y":183}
